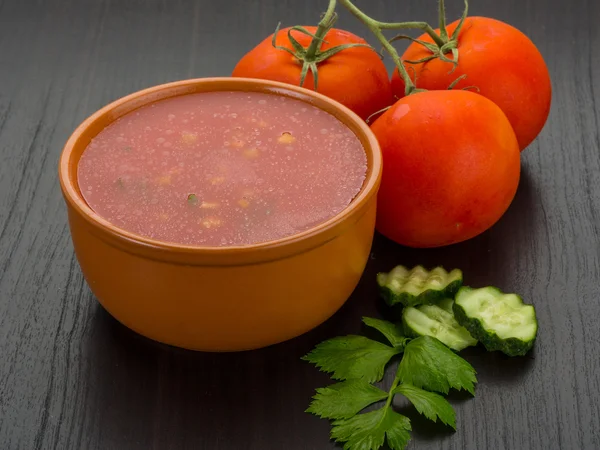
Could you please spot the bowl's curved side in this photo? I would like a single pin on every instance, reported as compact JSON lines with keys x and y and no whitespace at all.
{"x":224,"y":308}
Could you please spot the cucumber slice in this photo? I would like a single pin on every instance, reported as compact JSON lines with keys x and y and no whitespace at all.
{"x":418,"y":286}
{"x":437,"y":321}
{"x":499,"y":321}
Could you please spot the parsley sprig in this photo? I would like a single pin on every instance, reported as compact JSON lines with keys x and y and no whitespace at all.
{"x":428,"y":368}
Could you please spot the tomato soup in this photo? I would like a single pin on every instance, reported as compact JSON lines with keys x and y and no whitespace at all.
{"x":222,"y":169}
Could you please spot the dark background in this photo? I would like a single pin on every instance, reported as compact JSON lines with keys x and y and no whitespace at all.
{"x":71,"y":377}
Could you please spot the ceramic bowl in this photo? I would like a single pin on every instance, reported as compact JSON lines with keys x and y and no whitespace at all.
{"x":221,"y":298}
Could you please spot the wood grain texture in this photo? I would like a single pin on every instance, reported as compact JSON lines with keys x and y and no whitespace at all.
{"x":73,"y":378}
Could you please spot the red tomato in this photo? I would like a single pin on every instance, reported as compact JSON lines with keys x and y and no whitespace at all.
{"x":355,"y":77}
{"x":451,"y":167}
{"x":499,"y":60}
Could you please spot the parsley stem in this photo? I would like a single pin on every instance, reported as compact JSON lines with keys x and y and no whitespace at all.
{"x":390,"y":397}
{"x":391,"y":391}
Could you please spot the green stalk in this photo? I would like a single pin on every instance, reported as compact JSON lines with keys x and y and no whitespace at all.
{"x":311,"y":56}
{"x":322,"y":28}
{"x":423,"y":26}
{"x":443,"y":43}
{"x":390,"y":398}
{"x":391,"y":391}
{"x":442,"y":19}
{"x":376,"y":27}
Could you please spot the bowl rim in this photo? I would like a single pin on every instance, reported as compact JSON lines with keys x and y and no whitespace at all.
{"x":315,"y":236}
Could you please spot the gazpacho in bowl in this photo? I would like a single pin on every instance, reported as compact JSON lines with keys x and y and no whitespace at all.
{"x":222,"y":169}
{"x":222,"y":214}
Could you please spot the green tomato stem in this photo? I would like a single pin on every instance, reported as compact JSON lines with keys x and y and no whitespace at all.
{"x":442,"y":19}
{"x":376,"y":27}
{"x":461,"y":21}
{"x":423,"y":26}
{"x":443,"y":43}
{"x":322,"y":28}
{"x":312,"y":55}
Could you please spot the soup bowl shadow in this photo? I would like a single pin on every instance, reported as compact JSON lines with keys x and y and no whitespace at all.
{"x":142,"y":394}
{"x":221,"y":298}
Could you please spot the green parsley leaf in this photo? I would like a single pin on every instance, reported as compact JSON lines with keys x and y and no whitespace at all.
{"x":391,"y":331}
{"x":429,"y":364}
{"x":352,"y":357}
{"x":369,"y":431}
{"x":430,"y":404}
{"x":344,"y":400}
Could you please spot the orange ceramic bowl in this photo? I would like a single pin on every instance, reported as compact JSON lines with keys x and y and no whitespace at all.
{"x":221,"y":298}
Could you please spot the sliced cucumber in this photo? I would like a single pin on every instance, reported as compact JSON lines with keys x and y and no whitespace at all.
{"x":499,"y":321}
{"x":437,"y":321}
{"x":418,"y":286}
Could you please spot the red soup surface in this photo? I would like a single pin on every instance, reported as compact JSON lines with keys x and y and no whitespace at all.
{"x":222,"y":169}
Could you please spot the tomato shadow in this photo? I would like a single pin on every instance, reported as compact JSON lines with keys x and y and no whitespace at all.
{"x":488,"y":259}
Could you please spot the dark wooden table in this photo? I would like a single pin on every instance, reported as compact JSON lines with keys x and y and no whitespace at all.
{"x":71,"y":377}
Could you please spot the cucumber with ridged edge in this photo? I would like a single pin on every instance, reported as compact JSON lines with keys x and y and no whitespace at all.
{"x":437,"y":321}
{"x":418,"y":286}
{"x":499,"y":321}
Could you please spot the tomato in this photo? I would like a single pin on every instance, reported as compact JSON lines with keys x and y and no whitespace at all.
{"x":501,"y":62}
{"x":355,"y":77}
{"x":451,"y":167}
